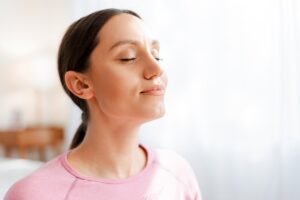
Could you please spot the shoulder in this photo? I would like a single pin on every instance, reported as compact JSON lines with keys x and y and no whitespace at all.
{"x":178,"y":168}
{"x":45,"y":181}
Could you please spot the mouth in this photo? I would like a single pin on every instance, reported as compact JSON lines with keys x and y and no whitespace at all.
{"x":157,"y":90}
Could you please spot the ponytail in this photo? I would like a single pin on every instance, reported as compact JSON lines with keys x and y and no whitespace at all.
{"x":81,"y":130}
{"x":79,"y":136}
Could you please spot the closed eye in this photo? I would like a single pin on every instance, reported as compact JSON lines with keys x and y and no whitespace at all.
{"x":127,"y":59}
{"x":132,"y":59}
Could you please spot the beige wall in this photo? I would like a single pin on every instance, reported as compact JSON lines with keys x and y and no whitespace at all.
{"x":30,"y":34}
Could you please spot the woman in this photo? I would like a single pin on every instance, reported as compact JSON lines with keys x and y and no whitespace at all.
{"x":110,"y":67}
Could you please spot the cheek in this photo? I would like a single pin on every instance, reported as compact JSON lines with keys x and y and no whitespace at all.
{"x":115,"y":88}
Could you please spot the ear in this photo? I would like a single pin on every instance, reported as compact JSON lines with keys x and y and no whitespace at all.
{"x":79,"y":85}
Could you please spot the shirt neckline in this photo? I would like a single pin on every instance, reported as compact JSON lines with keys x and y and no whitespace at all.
{"x":149,"y":156}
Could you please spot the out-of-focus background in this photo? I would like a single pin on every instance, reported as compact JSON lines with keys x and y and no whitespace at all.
{"x":233,"y":102}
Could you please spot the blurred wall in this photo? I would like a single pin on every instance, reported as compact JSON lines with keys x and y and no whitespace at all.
{"x":30,"y":93}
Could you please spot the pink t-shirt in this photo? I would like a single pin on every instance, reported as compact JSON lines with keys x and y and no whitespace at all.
{"x":167,"y":176}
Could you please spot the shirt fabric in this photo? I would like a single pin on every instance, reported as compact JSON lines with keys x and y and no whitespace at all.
{"x":166,"y":176}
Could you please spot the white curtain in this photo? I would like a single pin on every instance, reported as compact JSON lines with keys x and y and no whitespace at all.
{"x":233,"y":102}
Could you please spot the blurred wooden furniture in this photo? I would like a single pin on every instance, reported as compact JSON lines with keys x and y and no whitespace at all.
{"x":32,"y":138}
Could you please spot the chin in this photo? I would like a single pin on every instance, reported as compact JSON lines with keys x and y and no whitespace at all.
{"x":154,"y":114}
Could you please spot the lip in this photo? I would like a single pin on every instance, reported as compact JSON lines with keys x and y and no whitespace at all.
{"x":157,"y":90}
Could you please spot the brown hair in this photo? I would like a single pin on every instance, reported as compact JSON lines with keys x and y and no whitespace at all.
{"x":75,"y":49}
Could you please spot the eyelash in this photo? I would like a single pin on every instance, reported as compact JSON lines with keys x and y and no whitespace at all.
{"x":127,"y":59}
{"x":132,"y":59}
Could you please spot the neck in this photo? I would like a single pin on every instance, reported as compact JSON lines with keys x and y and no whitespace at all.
{"x":109,"y":150}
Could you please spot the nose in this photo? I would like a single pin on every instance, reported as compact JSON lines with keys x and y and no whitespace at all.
{"x":152,"y":68}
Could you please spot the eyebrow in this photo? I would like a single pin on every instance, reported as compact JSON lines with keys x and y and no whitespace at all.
{"x":133,"y":42}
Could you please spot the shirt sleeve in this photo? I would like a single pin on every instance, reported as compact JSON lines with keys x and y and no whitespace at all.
{"x":13,"y":193}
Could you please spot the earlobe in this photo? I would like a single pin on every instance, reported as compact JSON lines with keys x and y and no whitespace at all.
{"x":77,"y":84}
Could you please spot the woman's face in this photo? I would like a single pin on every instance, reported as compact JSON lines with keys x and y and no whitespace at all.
{"x":125,"y":71}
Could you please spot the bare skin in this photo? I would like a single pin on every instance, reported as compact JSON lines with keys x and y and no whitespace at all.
{"x":124,"y":88}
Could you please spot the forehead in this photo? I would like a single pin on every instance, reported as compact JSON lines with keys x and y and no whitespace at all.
{"x":123,"y":27}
